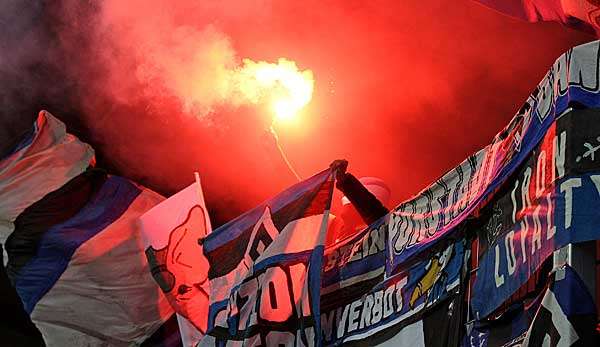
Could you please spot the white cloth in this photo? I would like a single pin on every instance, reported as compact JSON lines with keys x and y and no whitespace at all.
{"x":174,"y":227}
{"x":51,"y":159}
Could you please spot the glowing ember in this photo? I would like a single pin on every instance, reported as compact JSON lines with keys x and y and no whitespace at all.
{"x":283,"y":86}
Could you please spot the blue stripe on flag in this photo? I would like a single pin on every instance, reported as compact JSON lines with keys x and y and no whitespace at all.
{"x":60,"y":242}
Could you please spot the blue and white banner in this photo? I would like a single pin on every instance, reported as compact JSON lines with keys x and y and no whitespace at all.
{"x":551,"y":201}
{"x":566,"y":315}
{"x":264,"y":270}
{"x":563,"y":314}
{"x":361,"y":305}
{"x":433,"y":214}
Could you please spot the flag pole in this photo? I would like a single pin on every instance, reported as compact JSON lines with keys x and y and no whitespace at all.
{"x":201,"y":197}
{"x":198,"y":186}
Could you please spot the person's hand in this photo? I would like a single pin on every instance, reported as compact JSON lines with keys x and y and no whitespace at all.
{"x":339,"y":168}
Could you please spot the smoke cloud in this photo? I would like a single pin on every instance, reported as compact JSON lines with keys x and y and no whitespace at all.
{"x":403,"y":90}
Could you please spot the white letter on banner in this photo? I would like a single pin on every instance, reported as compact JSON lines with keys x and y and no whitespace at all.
{"x":559,"y":153}
{"x":540,"y":174}
{"x":300,"y":290}
{"x":248,"y":311}
{"x":523,"y":235}
{"x":499,"y":278}
{"x":526,"y":201}
{"x":377,"y":237}
{"x":275,"y":300}
{"x":365,"y":317}
{"x":399,"y":287}
{"x":356,"y":253}
{"x":388,"y":301}
{"x":377,"y":307}
{"x":341,"y":328}
{"x":583,"y":72}
{"x":513,"y":198}
{"x":525,"y":189}
{"x":545,"y":95}
{"x":536,"y":239}
{"x":354,"y":315}
{"x":561,"y":68}
{"x":365,"y":246}
{"x":509,"y":244}
{"x":551,"y":228}
{"x":452,"y":208}
{"x":567,"y":188}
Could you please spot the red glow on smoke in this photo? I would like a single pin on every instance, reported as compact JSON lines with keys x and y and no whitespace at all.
{"x":403,"y":90}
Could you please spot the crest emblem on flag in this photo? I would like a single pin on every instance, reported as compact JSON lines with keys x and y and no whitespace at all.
{"x":180,"y":268}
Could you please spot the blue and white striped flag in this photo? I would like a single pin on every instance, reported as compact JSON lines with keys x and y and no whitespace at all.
{"x":75,"y":255}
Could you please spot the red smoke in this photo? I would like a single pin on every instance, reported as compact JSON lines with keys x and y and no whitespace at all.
{"x":403,"y":90}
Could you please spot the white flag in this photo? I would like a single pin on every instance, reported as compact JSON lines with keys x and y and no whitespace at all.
{"x":173,"y":232}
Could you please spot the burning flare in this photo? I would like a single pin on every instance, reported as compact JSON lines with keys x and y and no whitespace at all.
{"x":283,"y":86}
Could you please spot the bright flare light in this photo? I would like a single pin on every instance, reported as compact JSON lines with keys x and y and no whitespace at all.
{"x":282,"y":85}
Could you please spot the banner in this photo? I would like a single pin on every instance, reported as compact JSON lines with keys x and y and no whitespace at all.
{"x":361,"y":305}
{"x":173,"y":232}
{"x":433,"y":214}
{"x":563,"y":314}
{"x":265,"y":269}
{"x":566,"y":315}
{"x":551,"y":201}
